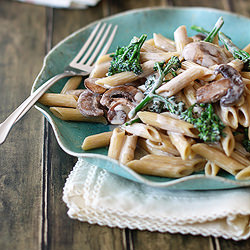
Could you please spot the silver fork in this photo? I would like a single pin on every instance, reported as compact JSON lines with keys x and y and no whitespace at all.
{"x":82,"y":64}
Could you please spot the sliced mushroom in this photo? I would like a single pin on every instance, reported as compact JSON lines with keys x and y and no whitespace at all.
{"x":236,"y":89}
{"x":228,"y":90}
{"x":118,"y":111}
{"x":89,"y":104}
{"x":89,"y":83}
{"x":212,"y":92}
{"x":198,"y":37}
{"x":129,"y":93}
{"x":204,"y":53}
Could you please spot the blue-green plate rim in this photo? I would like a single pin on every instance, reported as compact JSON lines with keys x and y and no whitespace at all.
{"x":140,"y":178}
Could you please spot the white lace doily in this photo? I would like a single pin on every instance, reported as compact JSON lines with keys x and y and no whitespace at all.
{"x":97,"y":196}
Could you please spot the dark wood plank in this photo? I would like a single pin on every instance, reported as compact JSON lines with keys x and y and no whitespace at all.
{"x":116,"y":6}
{"x":223,"y":4}
{"x":241,"y":7}
{"x":22,"y":39}
{"x":64,"y":233}
{"x":144,"y":240}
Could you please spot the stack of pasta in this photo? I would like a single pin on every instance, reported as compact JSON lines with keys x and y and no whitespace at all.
{"x":163,"y":144}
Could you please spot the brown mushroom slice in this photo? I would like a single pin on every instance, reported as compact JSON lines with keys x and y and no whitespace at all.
{"x":212,"y":92}
{"x":88,"y":104}
{"x":236,"y":89}
{"x":118,"y":111}
{"x":129,"y":93}
{"x":204,"y":53}
{"x":89,"y":83}
{"x":198,"y":37}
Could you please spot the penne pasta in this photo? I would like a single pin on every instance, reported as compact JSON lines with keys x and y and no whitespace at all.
{"x":100,"y":70}
{"x":97,"y":141}
{"x":157,"y":57}
{"x":245,"y":75}
{"x":160,"y":168}
{"x":197,"y":163}
{"x":165,"y":145}
{"x":128,"y":149}
{"x":239,"y":148}
{"x":72,"y":84}
{"x":240,"y":158}
{"x":211,"y":169}
{"x":164,"y":43}
{"x":228,"y":141}
{"x":150,"y":148}
{"x":243,"y":113}
{"x":181,"y":143}
{"x":181,"y":38}
{"x":181,"y":81}
{"x":116,"y":143}
{"x":208,"y":73}
{"x":219,"y":158}
{"x":144,"y":131}
{"x":72,"y":114}
{"x":228,"y":115}
{"x":126,"y":77}
{"x":190,"y":95}
{"x":244,"y":174}
{"x":103,"y":59}
{"x":247,"y":85}
{"x":237,"y":64}
{"x":59,"y":100}
{"x":149,"y":47}
{"x":168,"y":123}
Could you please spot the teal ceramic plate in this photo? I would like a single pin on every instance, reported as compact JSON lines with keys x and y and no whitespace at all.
{"x":133,"y":23}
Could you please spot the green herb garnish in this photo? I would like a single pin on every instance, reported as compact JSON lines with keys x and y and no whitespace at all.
{"x":127,"y":58}
{"x":207,"y":122}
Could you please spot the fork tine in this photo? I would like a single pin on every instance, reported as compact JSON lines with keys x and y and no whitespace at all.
{"x":86,"y":44}
{"x":93,"y":44}
{"x":99,"y":46}
{"x":106,"y":47}
{"x":111,"y":38}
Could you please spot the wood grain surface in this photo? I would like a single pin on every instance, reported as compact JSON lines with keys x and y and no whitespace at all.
{"x":33,"y":167}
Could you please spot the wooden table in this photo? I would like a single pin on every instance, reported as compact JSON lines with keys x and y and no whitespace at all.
{"x":33,"y":167}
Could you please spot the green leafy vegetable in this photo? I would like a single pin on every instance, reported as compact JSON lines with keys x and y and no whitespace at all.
{"x":135,"y":120}
{"x":199,"y":29}
{"x":208,"y":123}
{"x":127,"y":58}
{"x":172,"y":65}
{"x":214,"y":31}
{"x":246,"y":141}
{"x":235,"y":51}
{"x":155,"y":106}
{"x":170,"y":104}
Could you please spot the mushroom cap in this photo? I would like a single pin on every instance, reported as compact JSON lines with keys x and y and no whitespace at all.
{"x":236,"y":89}
{"x":198,"y":37}
{"x":118,"y":111}
{"x":90,"y":84}
{"x":212,"y":92}
{"x":88,"y":104}
{"x":204,"y":53}
{"x":129,"y":93}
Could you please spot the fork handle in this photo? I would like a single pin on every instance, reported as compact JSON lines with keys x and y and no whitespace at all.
{"x":6,"y":126}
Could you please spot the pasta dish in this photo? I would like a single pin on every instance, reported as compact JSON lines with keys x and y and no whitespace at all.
{"x":179,"y":106}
